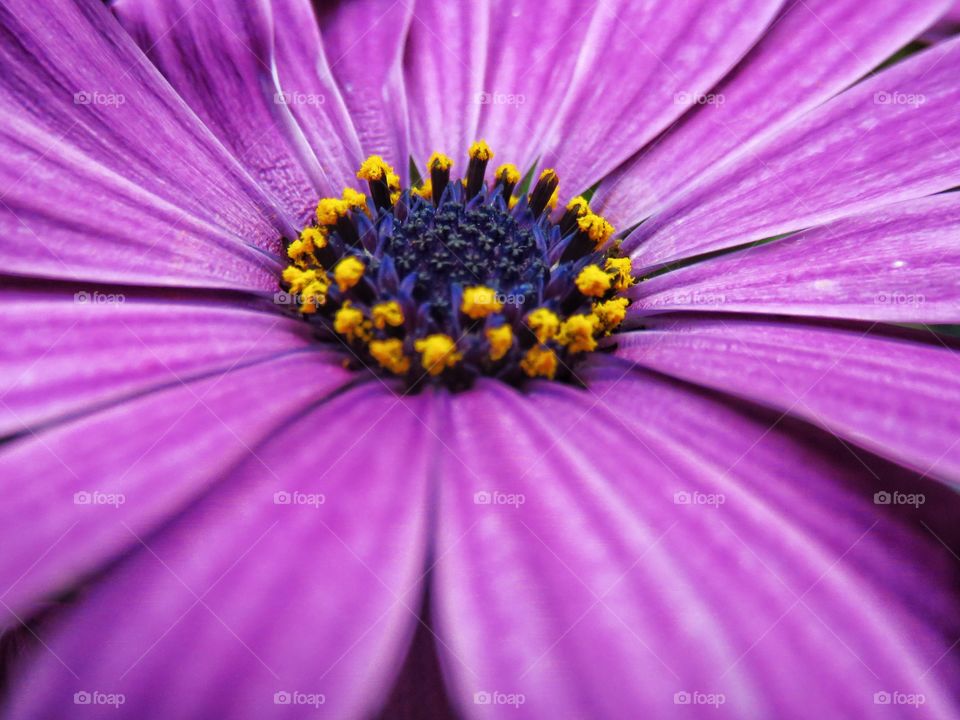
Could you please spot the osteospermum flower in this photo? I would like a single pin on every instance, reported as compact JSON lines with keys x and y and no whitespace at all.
{"x":478,"y":359}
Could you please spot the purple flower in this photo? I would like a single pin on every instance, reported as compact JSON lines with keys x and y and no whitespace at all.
{"x":268,"y":458}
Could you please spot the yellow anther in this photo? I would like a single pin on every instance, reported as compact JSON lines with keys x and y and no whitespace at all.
{"x":621,"y":269}
{"x":539,"y":361}
{"x":329,"y":210}
{"x":592,"y":281}
{"x":479,"y":301}
{"x":544,"y":323}
{"x":393,"y":184}
{"x":508,"y":173}
{"x":554,"y":199}
{"x":387,"y":313}
{"x":577,"y":332}
{"x":610,"y":313}
{"x":314,"y":295}
{"x":350,"y":322}
{"x":389,"y":354}
{"x":437,"y":353}
{"x":596,"y":228}
{"x":298,"y":279}
{"x":374,"y":168}
{"x":513,"y":201}
{"x":579,"y":205}
{"x":548,"y":174}
{"x":425,"y":191}
{"x":314,"y":237}
{"x":354,"y":200}
{"x":500,"y":339}
{"x":439,"y":161}
{"x":348,"y":272}
{"x":480,"y":150}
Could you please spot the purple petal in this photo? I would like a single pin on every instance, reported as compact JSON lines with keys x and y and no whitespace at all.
{"x":897,"y":397}
{"x":897,"y":264}
{"x":245,"y":597}
{"x":892,"y":137}
{"x":814,"y":50}
{"x":443,"y":70}
{"x":640,"y":68}
{"x":106,"y":173}
{"x":64,"y":353}
{"x":603,"y":595}
{"x":146,"y":459}
{"x":364,"y":41}
{"x":251,"y":88}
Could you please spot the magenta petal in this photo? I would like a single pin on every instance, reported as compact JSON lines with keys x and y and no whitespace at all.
{"x":897,"y":397}
{"x":364,"y":41}
{"x":64,"y":353}
{"x":893,"y":137}
{"x":897,"y":264}
{"x":246,"y":597}
{"x":812,"y":51}
{"x":642,"y":66}
{"x":604,"y":595}
{"x":106,"y":173}
{"x":158,"y":453}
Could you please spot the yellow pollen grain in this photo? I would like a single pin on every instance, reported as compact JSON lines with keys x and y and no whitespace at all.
{"x":439,"y":161}
{"x":387,"y":313}
{"x":329,"y":210}
{"x":298,"y":279}
{"x":544,"y":323}
{"x":621,"y":269}
{"x":314,"y":295}
{"x":611,"y":313}
{"x":437,"y":353}
{"x":389,"y":354}
{"x":592,"y":281}
{"x":480,"y":150}
{"x":479,"y":301}
{"x":508,"y":173}
{"x":355,"y":200}
{"x":539,"y":361}
{"x":577,"y":332}
{"x":374,"y":168}
{"x":596,"y":228}
{"x":579,"y":205}
{"x":500,"y":339}
{"x":348,"y":272}
{"x":350,"y":322}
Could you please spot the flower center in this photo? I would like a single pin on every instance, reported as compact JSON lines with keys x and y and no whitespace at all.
{"x":459,"y":278}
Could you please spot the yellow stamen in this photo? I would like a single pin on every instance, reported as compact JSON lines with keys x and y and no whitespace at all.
{"x":479,"y":302}
{"x":621,"y":269}
{"x":387,"y":313}
{"x":596,"y":228}
{"x":480,"y":150}
{"x":500,"y":339}
{"x":544,"y":323}
{"x":329,"y":210}
{"x":298,"y":279}
{"x":389,"y":353}
{"x":355,"y":200}
{"x":610,"y":313}
{"x":552,"y":202}
{"x":437,"y":352}
{"x":548,"y":174}
{"x":539,"y":361}
{"x":314,"y":295}
{"x":425,"y":191}
{"x":349,"y":322}
{"x":579,"y":205}
{"x":439,"y":161}
{"x":348,"y":272}
{"x":577,"y":333}
{"x":592,"y":281}
{"x":302,"y":249}
{"x":508,"y":173}
{"x":374,"y":168}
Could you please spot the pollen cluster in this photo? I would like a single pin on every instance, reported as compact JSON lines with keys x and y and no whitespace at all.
{"x":457,"y":277}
